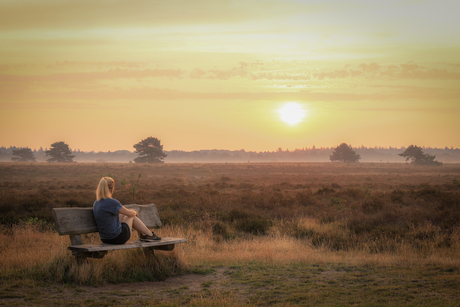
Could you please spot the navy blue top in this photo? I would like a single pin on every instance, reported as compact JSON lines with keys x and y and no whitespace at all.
{"x":105,"y":213}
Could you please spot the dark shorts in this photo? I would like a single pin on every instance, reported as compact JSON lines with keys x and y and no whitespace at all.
{"x":122,"y":238}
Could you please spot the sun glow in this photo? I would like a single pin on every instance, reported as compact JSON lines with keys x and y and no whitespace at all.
{"x":292,"y":113}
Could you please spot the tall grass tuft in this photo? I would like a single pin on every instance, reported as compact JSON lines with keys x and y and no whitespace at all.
{"x":43,"y":255}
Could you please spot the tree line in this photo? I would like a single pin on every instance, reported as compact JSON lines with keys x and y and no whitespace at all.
{"x":150,"y":150}
{"x":415,"y":154}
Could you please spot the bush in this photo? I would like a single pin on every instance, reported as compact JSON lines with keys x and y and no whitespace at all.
{"x":220,"y":232}
{"x":235,"y":215}
{"x":396,"y":196}
{"x":254,"y":225}
{"x":300,"y":232}
{"x":325,"y":191}
{"x":333,"y":241}
{"x":372,"y":206}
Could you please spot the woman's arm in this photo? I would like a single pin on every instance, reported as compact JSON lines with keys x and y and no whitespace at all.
{"x":128,"y":212}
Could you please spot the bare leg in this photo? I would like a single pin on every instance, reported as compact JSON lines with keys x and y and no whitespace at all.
{"x":126,"y":219}
{"x":140,"y":227}
{"x":136,"y":223}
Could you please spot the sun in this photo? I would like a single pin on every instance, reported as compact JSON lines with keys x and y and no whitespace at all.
{"x":292,"y":113}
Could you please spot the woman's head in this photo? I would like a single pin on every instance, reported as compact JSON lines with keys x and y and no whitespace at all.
{"x":105,"y":188}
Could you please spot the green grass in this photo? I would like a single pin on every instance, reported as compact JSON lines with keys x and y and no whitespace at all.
{"x":334,"y":285}
{"x":254,"y":284}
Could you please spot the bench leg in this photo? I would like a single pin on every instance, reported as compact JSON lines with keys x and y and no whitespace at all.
{"x":81,"y":257}
{"x":149,"y":251}
{"x":169,"y":247}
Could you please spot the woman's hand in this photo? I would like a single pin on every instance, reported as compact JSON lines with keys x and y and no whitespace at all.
{"x":128,"y":212}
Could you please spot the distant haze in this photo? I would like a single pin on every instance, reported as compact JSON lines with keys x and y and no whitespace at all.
{"x":377,"y":154}
{"x":103,"y":75}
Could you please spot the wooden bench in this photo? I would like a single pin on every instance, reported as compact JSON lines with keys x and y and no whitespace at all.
{"x":77,"y":221}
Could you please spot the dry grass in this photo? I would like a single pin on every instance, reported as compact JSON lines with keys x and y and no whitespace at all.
{"x":232,"y":214}
{"x":276,"y":248}
{"x":28,"y":253}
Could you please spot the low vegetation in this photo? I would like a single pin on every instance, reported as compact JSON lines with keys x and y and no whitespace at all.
{"x":249,"y":220}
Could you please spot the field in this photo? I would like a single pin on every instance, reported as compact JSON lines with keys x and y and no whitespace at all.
{"x":258,"y":234}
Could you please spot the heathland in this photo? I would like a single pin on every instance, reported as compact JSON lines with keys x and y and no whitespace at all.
{"x":258,"y":234}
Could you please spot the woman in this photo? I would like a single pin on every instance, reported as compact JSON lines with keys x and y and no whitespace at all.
{"x":114,"y":221}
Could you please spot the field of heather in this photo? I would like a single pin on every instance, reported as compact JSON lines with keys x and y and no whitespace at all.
{"x":258,"y":234}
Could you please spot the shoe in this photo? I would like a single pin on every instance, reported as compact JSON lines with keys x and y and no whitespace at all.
{"x":147,"y":238}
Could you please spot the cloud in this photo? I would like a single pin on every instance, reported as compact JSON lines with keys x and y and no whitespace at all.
{"x":98,"y":65}
{"x":227,"y":74}
{"x":85,"y":14}
{"x":75,"y":79}
{"x":376,"y":71}
{"x":279,"y":76}
{"x":40,"y":105}
{"x":148,"y":93}
{"x":413,"y":72}
{"x":369,"y":71}
{"x":332,"y":75}
{"x":370,"y":68}
{"x":197,"y":73}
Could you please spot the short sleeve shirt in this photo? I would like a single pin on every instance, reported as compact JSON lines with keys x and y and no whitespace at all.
{"x":106,"y":215}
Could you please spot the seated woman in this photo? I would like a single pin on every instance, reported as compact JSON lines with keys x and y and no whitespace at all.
{"x":114,"y":221}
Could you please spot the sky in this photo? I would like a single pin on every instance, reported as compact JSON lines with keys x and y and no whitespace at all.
{"x":103,"y":75}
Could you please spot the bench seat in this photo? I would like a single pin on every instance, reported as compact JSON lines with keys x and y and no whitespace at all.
{"x":165,"y":242}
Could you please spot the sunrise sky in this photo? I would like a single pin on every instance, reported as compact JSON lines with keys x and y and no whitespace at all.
{"x":208,"y":74}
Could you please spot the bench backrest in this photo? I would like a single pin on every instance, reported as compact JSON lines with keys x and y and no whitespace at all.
{"x":75,"y":221}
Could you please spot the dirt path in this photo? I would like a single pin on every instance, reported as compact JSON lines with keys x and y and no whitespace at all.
{"x":191,"y":282}
{"x":132,"y":294}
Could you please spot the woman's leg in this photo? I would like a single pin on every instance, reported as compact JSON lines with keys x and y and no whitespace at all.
{"x":136,"y":223}
{"x":126,"y":219}
{"x":140,"y":227}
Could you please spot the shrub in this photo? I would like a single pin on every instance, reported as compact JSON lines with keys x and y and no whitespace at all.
{"x":254,"y":225}
{"x":325,"y":191}
{"x":372,"y":206}
{"x":396,"y":196}
{"x":235,"y":215}
{"x":334,"y":241}
{"x":300,"y":232}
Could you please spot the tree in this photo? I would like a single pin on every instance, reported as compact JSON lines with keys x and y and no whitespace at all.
{"x":149,"y":150}
{"x":416,"y":155}
{"x":23,"y":155}
{"x":59,"y":152}
{"x":344,"y":153}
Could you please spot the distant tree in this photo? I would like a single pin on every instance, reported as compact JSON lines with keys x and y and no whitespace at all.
{"x":344,"y":153}
{"x":416,"y":155}
{"x":23,"y":155}
{"x":149,"y":150}
{"x":59,"y":152}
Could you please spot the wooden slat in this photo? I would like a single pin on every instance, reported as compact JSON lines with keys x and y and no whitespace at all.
{"x":127,"y":245}
{"x":148,"y":214}
{"x":72,"y":221}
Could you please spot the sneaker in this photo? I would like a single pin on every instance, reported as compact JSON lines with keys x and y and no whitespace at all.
{"x":147,"y":238}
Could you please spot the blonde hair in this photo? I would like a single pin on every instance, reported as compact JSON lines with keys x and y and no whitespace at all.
{"x":105,"y":188}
